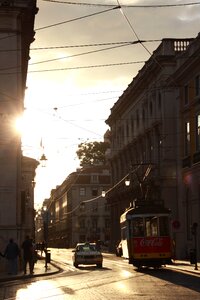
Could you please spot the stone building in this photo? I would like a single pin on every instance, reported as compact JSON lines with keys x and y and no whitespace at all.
{"x":76,"y":210}
{"x":187,"y":77}
{"x":16,"y":35}
{"x":146,"y":144}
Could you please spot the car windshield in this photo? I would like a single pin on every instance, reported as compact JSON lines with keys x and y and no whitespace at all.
{"x":86,"y":248}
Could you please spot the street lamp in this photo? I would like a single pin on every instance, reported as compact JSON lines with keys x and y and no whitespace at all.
{"x":103,"y":194}
{"x":127,"y":181}
{"x":43,"y":160}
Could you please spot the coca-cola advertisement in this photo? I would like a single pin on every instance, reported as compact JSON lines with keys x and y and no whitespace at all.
{"x":151,"y":244}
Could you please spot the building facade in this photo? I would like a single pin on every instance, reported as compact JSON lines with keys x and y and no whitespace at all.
{"x":77,"y":211}
{"x":146,"y":144}
{"x":16,"y":35}
{"x":187,"y":76}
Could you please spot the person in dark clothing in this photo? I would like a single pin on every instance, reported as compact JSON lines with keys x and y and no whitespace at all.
{"x":28,"y":254}
{"x":11,"y":254}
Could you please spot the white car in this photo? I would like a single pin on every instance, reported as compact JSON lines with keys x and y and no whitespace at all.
{"x":87,"y":254}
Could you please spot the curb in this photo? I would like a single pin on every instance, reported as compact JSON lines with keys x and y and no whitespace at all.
{"x":25,"y":277}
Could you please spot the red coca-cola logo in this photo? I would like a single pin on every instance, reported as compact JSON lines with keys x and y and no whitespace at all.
{"x":151,"y":242}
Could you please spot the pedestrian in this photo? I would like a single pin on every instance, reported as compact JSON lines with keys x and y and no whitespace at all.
{"x":34,"y":249}
{"x":28,"y":254}
{"x":42,"y":245}
{"x":12,"y":253}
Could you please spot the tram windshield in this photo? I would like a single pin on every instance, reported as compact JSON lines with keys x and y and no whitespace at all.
{"x":150,"y":226}
{"x":138,"y":227}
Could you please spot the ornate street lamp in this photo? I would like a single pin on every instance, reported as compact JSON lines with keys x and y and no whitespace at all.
{"x":43,"y":160}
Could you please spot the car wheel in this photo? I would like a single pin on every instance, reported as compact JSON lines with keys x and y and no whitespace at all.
{"x":75,"y":265}
{"x":99,"y":265}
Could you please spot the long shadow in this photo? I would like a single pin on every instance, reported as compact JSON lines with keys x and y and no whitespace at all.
{"x":189,"y":281}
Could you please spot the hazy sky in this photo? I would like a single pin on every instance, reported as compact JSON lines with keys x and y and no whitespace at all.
{"x":73,"y":81}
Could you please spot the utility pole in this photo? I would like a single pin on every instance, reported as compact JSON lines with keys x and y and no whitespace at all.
{"x":194,"y":232}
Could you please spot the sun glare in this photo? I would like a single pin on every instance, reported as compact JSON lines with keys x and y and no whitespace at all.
{"x":19,"y":124}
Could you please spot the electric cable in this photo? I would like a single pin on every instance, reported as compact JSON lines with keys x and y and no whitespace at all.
{"x":84,"y":53}
{"x":124,"y":5}
{"x":76,"y":19}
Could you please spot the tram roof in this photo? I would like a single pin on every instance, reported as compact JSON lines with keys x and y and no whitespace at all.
{"x":146,"y":210}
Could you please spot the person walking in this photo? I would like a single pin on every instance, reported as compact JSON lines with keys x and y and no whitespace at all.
{"x":11,"y":254}
{"x":28,"y":254}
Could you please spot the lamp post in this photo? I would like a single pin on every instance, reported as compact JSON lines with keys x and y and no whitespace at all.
{"x":45,"y":215}
{"x":45,"y":224}
{"x":194,"y":232}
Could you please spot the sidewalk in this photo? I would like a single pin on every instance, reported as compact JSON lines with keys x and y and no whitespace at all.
{"x":184,"y":265}
{"x":39,"y":270}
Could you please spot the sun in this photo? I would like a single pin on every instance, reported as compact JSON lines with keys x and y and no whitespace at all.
{"x":28,"y":125}
{"x":19,"y":125}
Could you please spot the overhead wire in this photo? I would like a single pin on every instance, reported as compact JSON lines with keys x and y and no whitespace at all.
{"x":78,"y":67}
{"x":88,"y":67}
{"x":88,"y":45}
{"x":84,"y":53}
{"x":96,"y":198}
{"x":76,"y":19}
{"x":78,"y":46}
{"x":142,"y":44}
{"x":124,"y":5}
{"x":78,"y":54}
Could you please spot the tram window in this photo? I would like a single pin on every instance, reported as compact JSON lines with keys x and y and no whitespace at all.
{"x":137,"y":227}
{"x":164,"y":226}
{"x":151,"y":226}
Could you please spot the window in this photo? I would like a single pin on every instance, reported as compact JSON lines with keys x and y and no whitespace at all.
{"x":186,"y":94}
{"x":198,"y":132}
{"x":187,"y":138}
{"x":82,"y":223}
{"x":197,"y":85}
{"x":95,"y":206}
{"x":137,"y":227}
{"x":57,"y":210}
{"x":64,"y":204}
{"x":151,"y":226}
{"x":94,"y":192}
{"x":82,"y":191}
{"x":94,"y":178}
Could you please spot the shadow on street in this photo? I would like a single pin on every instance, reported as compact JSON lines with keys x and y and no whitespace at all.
{"x":189,"y":281}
